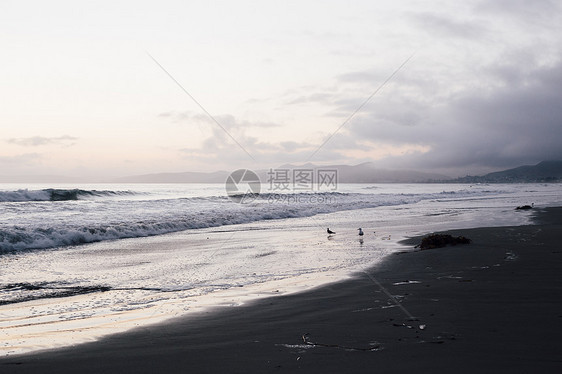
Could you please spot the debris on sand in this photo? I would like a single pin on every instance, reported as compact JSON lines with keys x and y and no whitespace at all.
{"x":441,"y":240}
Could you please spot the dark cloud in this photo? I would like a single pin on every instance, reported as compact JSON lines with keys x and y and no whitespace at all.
{"x":483,"y":95}
{"x":510,"y":115}
{"x":35,"y":141}
{"x":445,"y":27}
{"x":523,"y":9}
{"x":516,"y":121}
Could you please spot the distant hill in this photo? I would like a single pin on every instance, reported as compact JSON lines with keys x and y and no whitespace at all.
{"x":543,"y":172}
{"x":368,"y":173}
{"x":362,"y":173}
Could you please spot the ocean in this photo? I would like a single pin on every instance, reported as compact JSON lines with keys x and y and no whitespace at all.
{"x":78,"y":262}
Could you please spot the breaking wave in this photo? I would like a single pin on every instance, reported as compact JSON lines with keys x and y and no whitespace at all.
{"x":59,"y":225}
{"x":51,"y":194}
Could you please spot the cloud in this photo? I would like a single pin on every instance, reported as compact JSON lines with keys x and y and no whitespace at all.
{"x":447,"y":26}
{"x":224,"y":153}
{"x":228,"y":121}
{"x":509,"y":115}
{"x":369,"y":77}
{"x":523,"y":9}
{"x":219,"y":148}
{"x":36,"y":141}
{"x":514,"y":121}
{"x":508,"y":119}
{"x":482,"y":92}
{"x":318,"y":97}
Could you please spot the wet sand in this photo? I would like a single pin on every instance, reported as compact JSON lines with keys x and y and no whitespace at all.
{"x":491,"y":306}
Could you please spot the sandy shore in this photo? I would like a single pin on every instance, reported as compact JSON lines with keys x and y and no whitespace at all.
{"x":491,"y":306}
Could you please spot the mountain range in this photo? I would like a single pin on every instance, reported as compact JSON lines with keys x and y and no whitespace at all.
{"x":362,"y":173}
{"x":544,"y":172}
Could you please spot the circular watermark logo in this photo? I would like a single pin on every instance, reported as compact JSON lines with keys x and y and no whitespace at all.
{"x":243,"y":186}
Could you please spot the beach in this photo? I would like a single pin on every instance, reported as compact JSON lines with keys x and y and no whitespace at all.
{"x":490,"y":306}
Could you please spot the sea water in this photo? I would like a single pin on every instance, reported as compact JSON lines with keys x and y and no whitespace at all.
{"x":81,"y":261}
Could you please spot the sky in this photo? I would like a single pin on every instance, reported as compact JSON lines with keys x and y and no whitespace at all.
{"x":99,"y":89}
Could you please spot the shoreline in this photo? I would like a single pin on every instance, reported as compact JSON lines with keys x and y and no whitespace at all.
{"x":492,"y":306}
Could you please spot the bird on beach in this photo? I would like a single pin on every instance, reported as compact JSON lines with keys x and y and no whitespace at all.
{"x":360,"y":231}
{"x":330,"y":231}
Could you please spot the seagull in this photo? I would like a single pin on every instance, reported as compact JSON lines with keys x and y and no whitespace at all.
{"x":360,"y":231}
{"x":330,"y":231}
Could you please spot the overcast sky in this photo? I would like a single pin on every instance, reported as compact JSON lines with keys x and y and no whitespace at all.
{"x":80,"y":94}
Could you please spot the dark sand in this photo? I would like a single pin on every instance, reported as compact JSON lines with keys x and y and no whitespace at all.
{"x":492,"y":306}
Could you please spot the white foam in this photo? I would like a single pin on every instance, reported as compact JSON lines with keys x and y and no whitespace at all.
{"x":41,"y":225}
